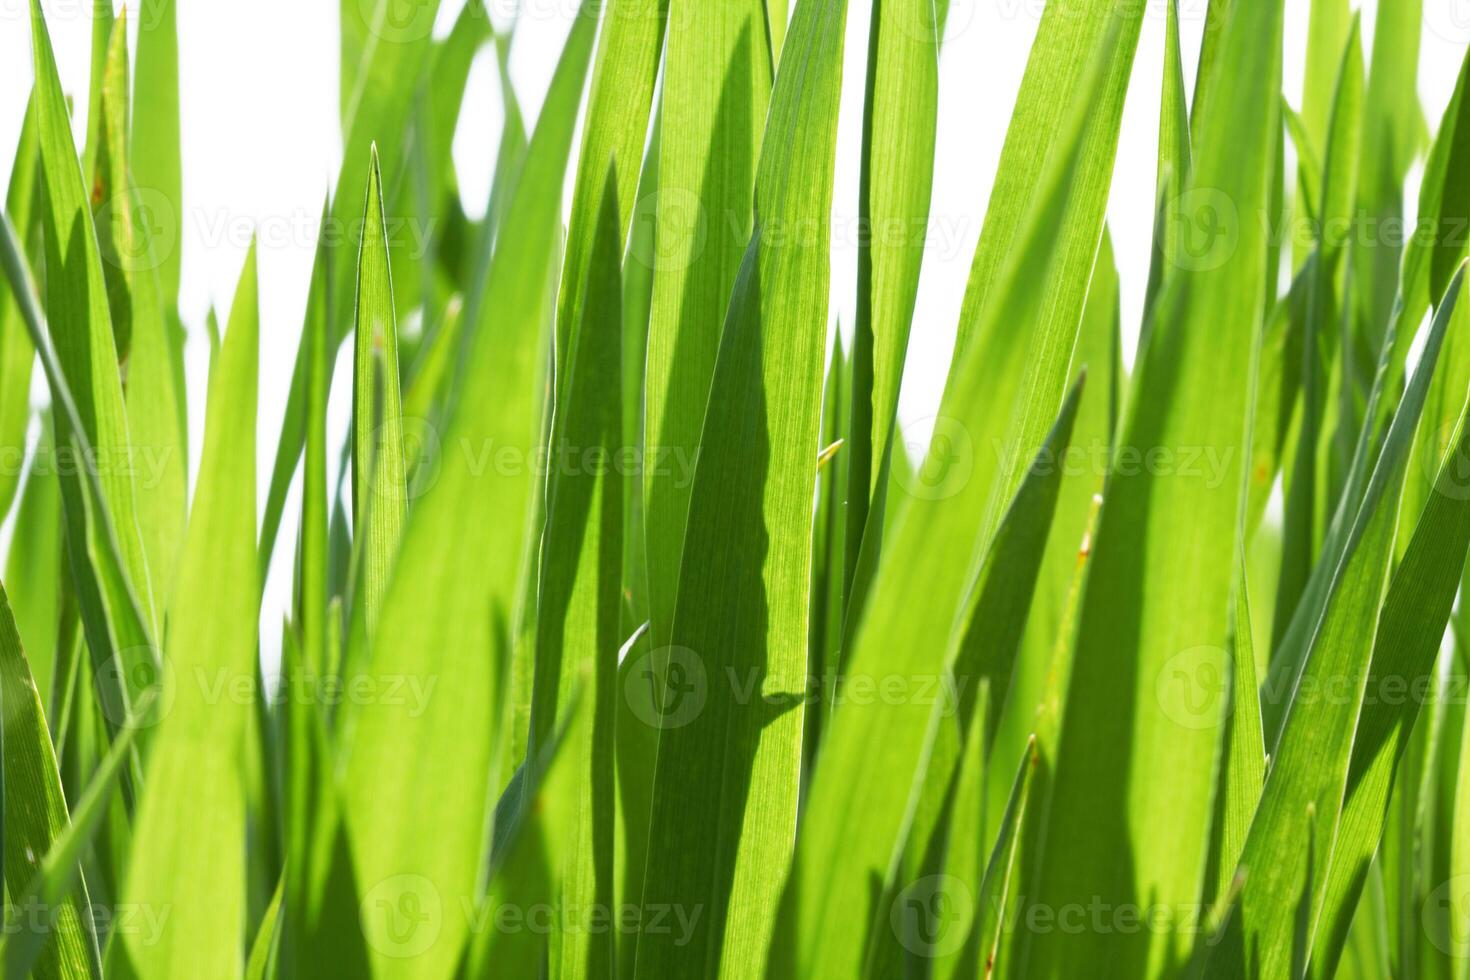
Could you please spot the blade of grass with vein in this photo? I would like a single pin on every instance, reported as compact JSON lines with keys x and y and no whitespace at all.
{"x":266,"y":947}
{"x":1158,"y":599}
{"x":35,"y":817}
{"x":716,"y":86}
{"x":580,"y":606}
{"x":995,"y":415}
{"x":397,"y":49}
{"x":436,"y":621}
{"x":17,"y":356}
{"x":78,"y":316}
{"x":1243,"y":763}
{"x":191,"y":858}
{"x":726,"y":784}
{"x":966,"y":834}
{"x":127,"y":228}
{"x":1419,"y":599}
{"x":829,"y":543}
{"x":58,"y":873}
{"x":992,"y":898}
{"x":897,"y":168}
{"x":156,"y":140}
{"x":107,"y":604}
{"x":379,"y":470}
{"x":1327,"y":33}
{"x":1061,"y":57}
{"x":615,"y":130}
{"x":1310,"y":764}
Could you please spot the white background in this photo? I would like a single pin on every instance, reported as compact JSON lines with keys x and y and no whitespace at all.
{"x":261,"y":144}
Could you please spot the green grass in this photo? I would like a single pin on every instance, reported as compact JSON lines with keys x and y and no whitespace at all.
{"x":633,"y":641}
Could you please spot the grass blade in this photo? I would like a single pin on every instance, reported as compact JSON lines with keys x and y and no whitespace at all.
{"x":191,"y":859}
{"x":726,"y":783}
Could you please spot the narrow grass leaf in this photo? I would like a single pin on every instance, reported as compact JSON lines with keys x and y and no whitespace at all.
{"x":436,"y":621}
{"x":726,"y":784}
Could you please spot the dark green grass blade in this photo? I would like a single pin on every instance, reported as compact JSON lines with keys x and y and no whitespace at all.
{"x":35,"y":818}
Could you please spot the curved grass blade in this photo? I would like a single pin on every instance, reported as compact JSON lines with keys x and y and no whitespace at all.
{"x":81,"y":325}
{"x":726,"y":783}
{"x":191,"y":858}
{"x":35,"y":817}
{"x":59,"y":870}
{"x":17,"y":355}
{"x":461,"y":549}
{"x":1310,"y":768}
{"x":35,"y":562}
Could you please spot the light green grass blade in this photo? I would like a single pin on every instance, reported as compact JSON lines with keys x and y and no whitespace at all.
{"x":829,"y":544}
{"x":1394,"y":133}
{"x":191,"y":857}
{"x":1158,"y":596}
{"x":716,"y":85}
{"x":993,"y":895}
{"x":133,"y":243}
{"x":991,"y":625}
{"x":17,"y":356}
{"x":993,"y":420}
{"x":1308,"y":490}
{"x":580,"y":606}
{"x":264,"y":949}
{"x":1175,"y":162}
{"x":35,"y":564}
{"x":1408,"y":641}
{"x":396,"y":51}
{"x":80,"y":323}
{"x":379,"y":469}
{"x":35,"y":817}
{"x":1327,"y":34}
{"x":1310,"y":765}
{"x":156,"y":140}
{"x":460,"y":549}
{"x":899,"y":120}
{"x":108,"y":606}
{"x":615,"y":129}
{"x":1061,"y":57}
{"x":726,"y":784}
{"x":58,"y":872}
